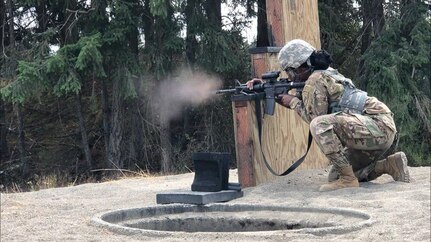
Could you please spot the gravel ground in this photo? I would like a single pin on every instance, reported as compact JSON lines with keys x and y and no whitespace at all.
{"x":401,"y":210}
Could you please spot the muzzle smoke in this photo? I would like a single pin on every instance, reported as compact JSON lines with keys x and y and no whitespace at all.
{"x":187,"y":88}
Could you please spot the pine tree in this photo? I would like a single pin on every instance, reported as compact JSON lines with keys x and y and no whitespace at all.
{"x":339,"y":33}
{"x":397,"y":67}
{"x":120,"y":49}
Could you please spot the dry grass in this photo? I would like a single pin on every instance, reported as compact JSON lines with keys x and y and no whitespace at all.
{"x":61,"y":180}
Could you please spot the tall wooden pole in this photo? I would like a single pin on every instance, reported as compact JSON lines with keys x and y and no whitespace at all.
{"x":284,"y":135}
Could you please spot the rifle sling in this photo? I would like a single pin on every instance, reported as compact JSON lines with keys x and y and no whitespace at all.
{"x":259,"y":125}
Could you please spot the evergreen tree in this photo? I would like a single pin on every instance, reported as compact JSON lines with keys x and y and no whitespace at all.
{"x":120,"y":49}
{"x":340,"y":33}
{"x":397,"y":67}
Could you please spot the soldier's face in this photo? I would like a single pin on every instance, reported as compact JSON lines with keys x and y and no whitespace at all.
{"x":299,"y":74}
{"x":290,"y":74}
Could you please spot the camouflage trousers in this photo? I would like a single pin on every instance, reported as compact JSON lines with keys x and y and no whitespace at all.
{"x":353,"y":139}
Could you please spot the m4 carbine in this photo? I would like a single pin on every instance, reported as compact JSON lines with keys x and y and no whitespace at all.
{"x":269,"y":90}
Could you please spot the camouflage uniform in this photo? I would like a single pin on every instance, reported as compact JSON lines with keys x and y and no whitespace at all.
{"x":343,"y":136}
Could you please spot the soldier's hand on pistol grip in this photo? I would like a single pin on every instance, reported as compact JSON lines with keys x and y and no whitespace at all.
{"x":252,"y":82}
{"x":285,"y":100}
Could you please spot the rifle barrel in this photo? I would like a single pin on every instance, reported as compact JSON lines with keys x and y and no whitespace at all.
{"x":225,"y":91}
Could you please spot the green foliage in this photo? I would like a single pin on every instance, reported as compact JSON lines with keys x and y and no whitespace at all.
{"x":72,"y":62}
{"x":60,"y":73}
{"x":89,"y":57}
{"x":340,"y":24}
{"x":159,"y":7}
{"x":24,"y":69}
{"x":56,"y":64}
{"x":166,"y":46}
{"x":30,"y":82}
{"x":397,"y":66}
{"x":160,"y":56}
{"x":118,"y":50}
{"x":125,"y":77}
{"x":68,"y":83}
{"x":223,"y":52}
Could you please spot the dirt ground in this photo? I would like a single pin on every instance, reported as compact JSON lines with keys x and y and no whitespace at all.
{"x":401,"y":210}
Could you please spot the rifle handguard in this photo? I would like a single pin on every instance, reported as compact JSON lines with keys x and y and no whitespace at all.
{"x":271,"y":87}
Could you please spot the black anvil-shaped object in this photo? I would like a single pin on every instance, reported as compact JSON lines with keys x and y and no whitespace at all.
{"x":212,"y":172}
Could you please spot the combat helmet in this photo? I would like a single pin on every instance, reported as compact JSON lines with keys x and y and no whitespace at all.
{"x":294,"y":54}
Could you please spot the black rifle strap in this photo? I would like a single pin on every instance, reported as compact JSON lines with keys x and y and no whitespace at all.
{"x":259,"y":126}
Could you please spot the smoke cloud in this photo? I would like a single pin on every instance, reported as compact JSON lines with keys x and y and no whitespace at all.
{"x":186,"y":88}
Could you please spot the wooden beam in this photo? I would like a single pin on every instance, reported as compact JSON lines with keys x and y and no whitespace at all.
{"x":274,"y":13}
{"x":300,"y":20}
{"x":244,"y":143}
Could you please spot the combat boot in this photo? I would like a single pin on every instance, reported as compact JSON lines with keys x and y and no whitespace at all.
{"x":347,"y":179}
{"x":394,"y":165}
{"x":333,"y":174}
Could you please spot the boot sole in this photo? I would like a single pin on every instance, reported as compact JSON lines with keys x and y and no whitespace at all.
{"x":400,"y":161}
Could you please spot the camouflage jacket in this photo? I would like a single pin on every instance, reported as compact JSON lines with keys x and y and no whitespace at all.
{"x":323,"y":88}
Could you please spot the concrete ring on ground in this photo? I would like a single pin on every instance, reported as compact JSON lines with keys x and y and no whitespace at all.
{"x":236,"y":219}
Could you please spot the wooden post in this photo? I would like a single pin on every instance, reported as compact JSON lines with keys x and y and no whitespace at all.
{"x":292,"y":19}
{"x":284,"y":135}
{"x":244,"y":142}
